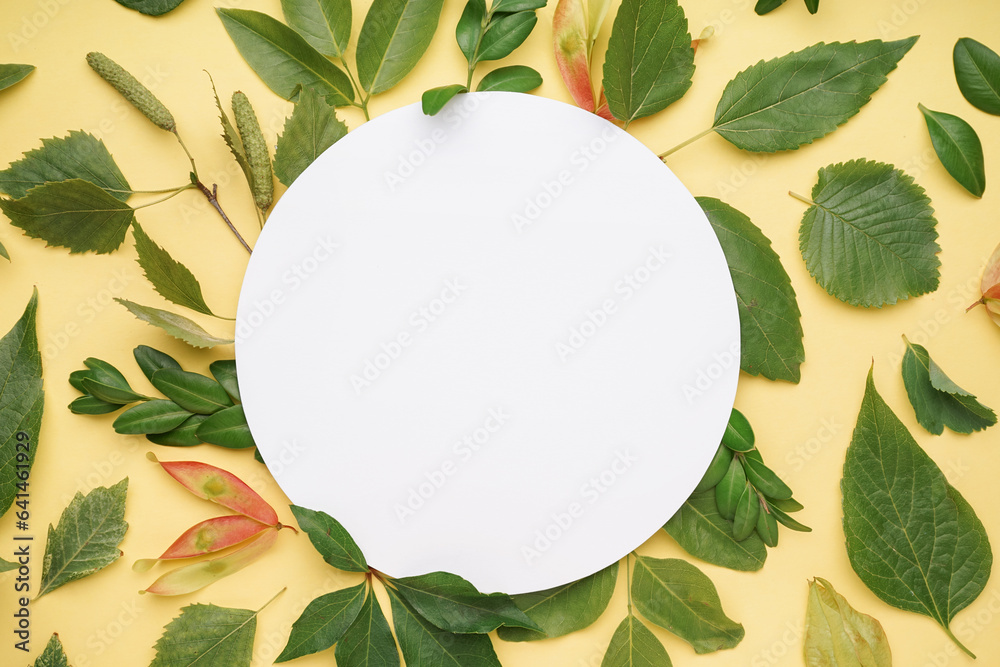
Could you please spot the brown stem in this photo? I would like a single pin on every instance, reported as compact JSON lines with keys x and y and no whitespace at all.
{"x":213,"y":198}
{"x":977,"y":303}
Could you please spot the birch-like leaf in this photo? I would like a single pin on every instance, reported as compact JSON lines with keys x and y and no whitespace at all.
{"x":311,"y":129}
{"x":170,"y":278}
{"x":331,"y":540}
{"x":323,"y":622}
{"x":369,"y":641}
{"x":176,"y":325}
{"x":232,"y":138}
{"x":911,"y":538}
{"x":650,"y":62}
{"x":793,"y":100}
{"x":869,"y":236}
{"x":11,"y":73}
{"x":837,"y":635}
{"x":53,"y":655}
{"x":977,"y":70}
{"x":770,"y":321}
{"x":325,"y":24}
{"x":634,"y":645}
{"x":701,"y":531}
{"x":393,"y":38}
{"x":204,"y":634}
{"x":86,"y":538}
{"x":77,"y":155}
{"x":958,"y":147}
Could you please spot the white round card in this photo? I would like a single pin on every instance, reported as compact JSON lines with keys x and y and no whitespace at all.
{"x":501,"y":342}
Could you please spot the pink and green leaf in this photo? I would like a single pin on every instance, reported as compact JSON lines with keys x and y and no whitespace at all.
{"x":207,"y":537}
{"x":572,"y":41}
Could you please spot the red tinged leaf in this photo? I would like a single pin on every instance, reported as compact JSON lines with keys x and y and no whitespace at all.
{"x":571,"y":38}
{"x":602,"y":108}
{"x":207,"y":537}
{"x":990,"y":287}
{"x":220,"y":486}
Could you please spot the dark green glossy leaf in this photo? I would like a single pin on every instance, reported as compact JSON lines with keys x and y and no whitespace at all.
{"x":812,"y":6}
{"x":227,"y":428}
{"x":151,"y":360}
{"x":157,"y":416}
{"x":88,"y":405}
{"x":634,"y":645}
{"x":505,"y":34}
{"x":513,"y":79}
{"x":511,"y":6}
{"x":11,"y":73}
{"x":193,"y":392}
{"x":764,"y":479}
{"x":111,"y":394}
{"x":325,"y":24}
{"x":701,"y":531}
{"x":224,"y":372}
{"x":151,"y":7}
{"x":433,"y":100}
{"x":738,"y":435}
{"x":767,"y":528}
{"x":727,"y":492}
{"x":393,"y":38}
{"x":716,"y":469}
{"x":425,"y":644}
{"x":958,"y":147}
{"x":368,"y":642}
{"x":469,"y":30}
{"x":311,"y":129}
{"x":323,"y":622}
{"x":176,"y":325}
{"x":185,"y":435}
{"x":788,"y":521}
{"x":77,"y":155}
{"x":765,"y":6}
{"x":331,"y":540}
{"x":747,"y":510}
{"x":169,"y":277}
{"x":977,"y":70}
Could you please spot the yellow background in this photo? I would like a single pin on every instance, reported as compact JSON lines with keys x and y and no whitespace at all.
{"x":802,"y":430}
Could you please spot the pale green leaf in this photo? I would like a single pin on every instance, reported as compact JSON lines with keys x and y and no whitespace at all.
{"x":7,"y":566}
{"x":393,"y":38}
{"x":311,"y":129}
{"x":325,"y":24}
{"x":204,"y":634}
{"x":368,"y":642}
{"x":701,"y":531}
{"x":433,"y":100}
{"x":958,"y":147}
{"x":936,"y":400}
{"x":169,"y":277}
{"x":323,"y":622}
{"x":86,"y":538}
{"x":425,"y":645}
{"x":53,"y":655}
{"x":13,"y":73}
{"x":514,"y":79}
{"x":151,"y":7}
{"x":330,"y":539}
{"x":837,"y":635}
{"x":177,"y":326}
{"x":869,"y":237}
{"x":77,"y":155}
{"x":634,"y":645}
{"x":977,"y":70}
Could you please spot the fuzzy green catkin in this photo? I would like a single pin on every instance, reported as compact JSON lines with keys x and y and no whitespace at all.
{"x":139,"y":95}
{"x":262,"y":180}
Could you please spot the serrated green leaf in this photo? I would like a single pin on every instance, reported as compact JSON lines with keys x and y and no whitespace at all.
{"x":151,"y":7}
{"x":331,"y":540}
{"x":21,"y":402}
{"x":176,"y":325}
{"x":701,"y":531}
{"x":977,"y":70}
{"x":193,"y":392}
{"x":650,"y":62}
{"x":911,"y":538}
{"x":227,"y":428}
{"x":74,"y":214}
{"x":425,"y":644}
{"x":793,"y":100}
{"x":325,"y":24}
{"x":169,"y":277}
{"x":368,"y":642}
{"x":958,"y":147}
{"x":504,"y":34}
{"x":513,"y":79}
{"x":469,"y":30}
{"x":323,"y":622}
{"x":393,"y":38}
{"x":89,"y":405}
{"x":716,"y":469}
{"x":564,"y":609}
{"x":77,"y":155}
{"x":156,"y":416}
{"x":433,"y":100}
{"x":151,"y":360}
{"x":12,"y":73}
{"x":86,"y":538}
{"x":453,"y":604}
{"x":53,"y":655}
{"x":185,"y":435}
{"x":770,"y":321}
{"x":837,"y":635}
{"x":204,"y":634}
{"x":282,"y":58}
{"x":224,"y":372}
{"x":677,"y":596}
{"x":869,"y":237}
{"x":311,"y":129}
{"x":936,"y":400}
{"x":634,"y":645}
{"x":232,"y":137}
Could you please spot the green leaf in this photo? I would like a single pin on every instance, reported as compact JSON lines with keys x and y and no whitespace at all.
{"x":469,"y":31}
{"x":169,"y":277}
{"x":7,"y":566}
{"x":650,"y":61}
{"x":869,"y":237}
{"x":453,"y":604}
{"x":958,"y":147}
{"x":788,"y":521}
{"x":86,"y":538}
{"x":793,"y":100}
{"x":727,"y":492}
{"x":331,"y":540}
{"x":311,"y":129}
{"x":701,"y":531}
{"x":936,"y":400}
{"x":156,"y":416}
{"x":765,"y":481}
{"x":151,"y":360}
{"x":193,"y":392}
{"x":185,"y":435}
{"x":224,"y":372}
{"x":13,"y":73}
{"x":393,"y":38}
{"x":977,"y":70}
{"x":766,"y":6}
{"x":53,"y":655}
{"x":325,"y":24}
{"x":151,"y":7}
{"x":505,"y":34}
{"x":513,"y":79}
{"x":323,"y":622}
{"x":716,"y":469}
{"x":227,"y":428}
{"x":433,"y":100}
{"x":74,"y":214}
{"x":676,"y":595}
{"x":368,"y":642}
{"x":176,"y":325}
{"x":738,"y":435}
{"x":911,"y":538}
{"x":77,"y":155}
{"x":564,"y":609}
{"x":634,"y":645}
{"x":232,"y":138}
{"x":770,"y":321}
{"x":88,"y":405}
{"x":111,"y":394}
{"x":837,"y":635}
{"x":282,"y":58}
{"x":812,"y":6}
{"x":21,"y":402}
{"x":747,"y":511}
{"x":767,"y":527}
{"x":424,"y":644}
{"x":204,"y":634}
{"x":511,"y":6}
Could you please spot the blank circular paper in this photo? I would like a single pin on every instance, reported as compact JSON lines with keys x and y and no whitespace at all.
{"x":501,"y":342}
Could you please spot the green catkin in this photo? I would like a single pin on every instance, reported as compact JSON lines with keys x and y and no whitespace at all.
{"x":133,"y":91}
{"x":262,"y":180}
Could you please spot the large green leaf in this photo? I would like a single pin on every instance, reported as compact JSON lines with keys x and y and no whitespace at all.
{"x":783,"y":103}
{"x":911,"y":538}
{"x":11,"y":73}
{"x":564,"y":609}
{"x":634,"y":645}
{"x":770,"y":321}
{"x":282,"y":58}
{"x":21,"y":403}
{"x":325,"y":24}
{"x":650,"y":61}
{"x":958,"y":147}
{"x":323,"y":622}
{"x":75,"y":214}
{"x":204,"y":634}
{"x":676,"y":595}
{"x":869,"y":237}
{"x":936,"y":400}
{"x":331,"y":540}
{"x":977,"y":70}
{"x":425,"y":644}
{"x":837,"y":635}
{"x":169,"y":277}
{"x":176,"y":325}
{"x":86,"y":538}
{"x":393,"y":38}
{"x":53,"y":655}
{"x":704,"y":533}
{"x":368,"y":642}
{"x":77,"y":155}
{"x":311,"y":129}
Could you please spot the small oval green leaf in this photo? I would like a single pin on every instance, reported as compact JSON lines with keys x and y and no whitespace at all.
{"x":505,"y":34}
{"x":977,"y":70}
{"x":513,"y":79}
{"x":958,"y":147}
{"x":156,"y":416}
{"x":227,"y":428}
